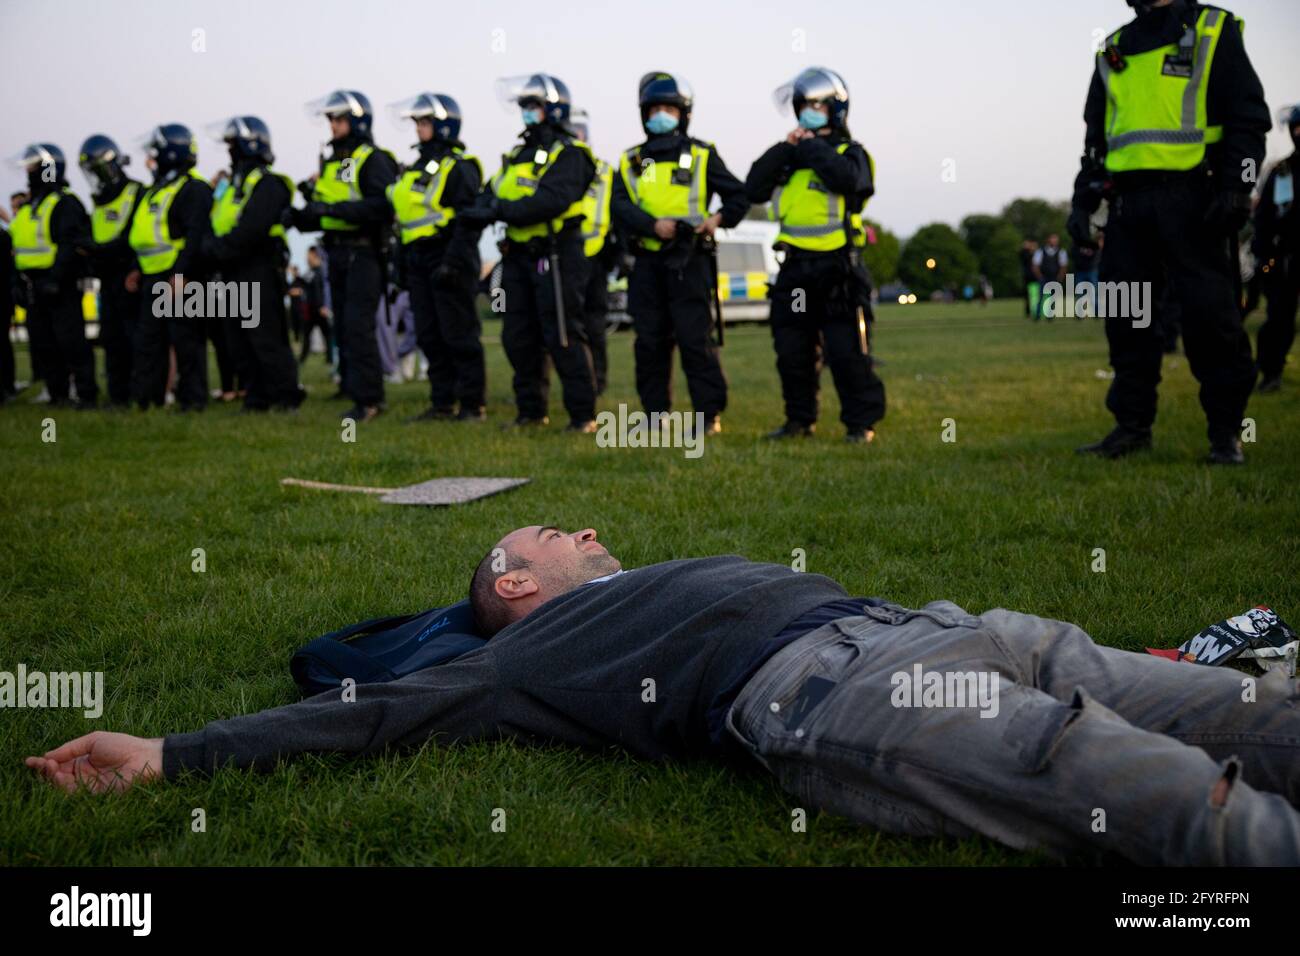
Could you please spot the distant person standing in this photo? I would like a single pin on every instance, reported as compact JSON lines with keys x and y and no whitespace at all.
{"x":1027,"y":250}
{"x":1048,"y":264}
{"x":7,"y":383}
{"x":316,"y":312}
{"x":1087,"y":256}
{"x":603,"y":250}
{"x":1175,"y":119}
{"x":1277,"y":252}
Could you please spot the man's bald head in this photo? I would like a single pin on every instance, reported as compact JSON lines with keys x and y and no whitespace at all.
{"x":528,"y":567}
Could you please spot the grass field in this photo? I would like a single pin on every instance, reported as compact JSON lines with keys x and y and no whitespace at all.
{"x":98,"y":530}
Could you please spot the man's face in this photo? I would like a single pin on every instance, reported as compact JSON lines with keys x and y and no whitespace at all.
{"x":561,"y":556}
{"x":1053,"y":239}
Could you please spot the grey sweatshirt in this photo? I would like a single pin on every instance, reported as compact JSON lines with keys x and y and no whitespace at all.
{"x":633,"y":661}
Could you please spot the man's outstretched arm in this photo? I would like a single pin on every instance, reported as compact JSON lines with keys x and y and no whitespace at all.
{"x":452,"y":702}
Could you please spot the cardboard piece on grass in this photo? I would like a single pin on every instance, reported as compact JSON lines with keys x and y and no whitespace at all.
{"x":1259,"y":632}
{"x":436,"y":491}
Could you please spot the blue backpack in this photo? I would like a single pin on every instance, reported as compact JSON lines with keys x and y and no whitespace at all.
{"x":385,"y":648}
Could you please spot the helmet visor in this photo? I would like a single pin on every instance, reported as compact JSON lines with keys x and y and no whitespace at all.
{"x":513,"y":91}
{"x":816,"y":84}
{"x":31,"y":157}
{"x":416,"y":107}
{"x":335,"y":103}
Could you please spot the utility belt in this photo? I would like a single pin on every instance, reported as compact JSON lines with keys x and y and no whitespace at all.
{"x":540,"y":247}
{"x":338,"y":237}
{"x":685,"y":244}
{"x":845,"y":252}
{"x":1140,"y":180}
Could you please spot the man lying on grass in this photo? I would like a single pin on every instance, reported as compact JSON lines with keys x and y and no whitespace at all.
{"x":925,"y":722}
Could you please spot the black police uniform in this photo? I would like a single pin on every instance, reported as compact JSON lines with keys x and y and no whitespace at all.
{"x":356,"y":276}
{"x":670,"y":292}
{"x":1174,"y":228}
{"x":596,"y":303}
{"x":188,"y":219}
{"x":825,"y":287}
{"x":7,"y":271}
{"x":530,"y":330}
{"x":56,"y":325}
{"x":119,"y":307}
{"x":248,"y":254}
{"x":441,"y":271}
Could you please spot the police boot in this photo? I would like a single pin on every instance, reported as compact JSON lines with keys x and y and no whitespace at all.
{"x":1269,"y":383}
{"x":791,"y":430}
{"x":1120,"y":442}
{"x":1226,"y":451}
{"x":434,"y":413}
{"x":860,"y":436}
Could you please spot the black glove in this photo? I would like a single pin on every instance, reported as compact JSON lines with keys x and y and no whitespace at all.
{"x":1079,"y":226}
{"x":307,"y":190}
{"x":486,"y":208}
{"x":1229,"y":210}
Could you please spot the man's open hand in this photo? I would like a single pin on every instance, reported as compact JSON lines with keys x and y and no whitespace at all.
{"x":101,"y":761}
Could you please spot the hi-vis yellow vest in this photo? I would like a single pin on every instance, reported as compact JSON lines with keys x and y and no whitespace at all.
{"x":595,"y":210}
{"x":1156,"y":105}
{"x":230,"y":204}
{"x":416,"y":197}
{"x":30,"y":231}
{"x":811,"y":216}
{"x":150,"y":234}
{"x":668,"y":191}
{"x":109,"y":219}
{"x":340,"y":181}
{"x":518,"y":178}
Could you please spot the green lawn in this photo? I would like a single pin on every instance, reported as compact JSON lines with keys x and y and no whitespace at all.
{"x":98,"y":529}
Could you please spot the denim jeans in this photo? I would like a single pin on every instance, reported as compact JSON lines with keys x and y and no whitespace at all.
{"x":1079,"y":750}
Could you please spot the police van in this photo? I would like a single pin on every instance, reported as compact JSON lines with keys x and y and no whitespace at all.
{"x":747,"y":266}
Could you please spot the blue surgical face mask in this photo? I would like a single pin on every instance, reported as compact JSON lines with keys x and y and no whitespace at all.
{"x":532,"y":117}
{"x":810,"y":118}
{"x":661,"y":122}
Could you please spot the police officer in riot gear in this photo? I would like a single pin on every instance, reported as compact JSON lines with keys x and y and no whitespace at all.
{"x":816,"y":182}
{"x":115,"y":196}
{"x":660,"y":204}
{"x":538,"y":194}
{"x":48,"y":235}
{"x":440,"y":259}
{"x":348,"y":202}
{"x":1277,"y":252}
{"x":247,"y":247}
{"x":166,"y":234}
{"x":1176,"y":121}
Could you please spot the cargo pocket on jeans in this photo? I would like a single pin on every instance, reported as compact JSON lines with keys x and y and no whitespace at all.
{"x":1037,"y":734}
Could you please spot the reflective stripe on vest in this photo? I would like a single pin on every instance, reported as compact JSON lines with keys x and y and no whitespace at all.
{"x":109,"y":219}
{"x":595,"y":210}
{"x":662,"y":193}
{"x":1157,"y":119}
{"x":150,"y":235}
{"x":811,"y":216}
{"x":419,"y":211}
{"x":230,"y":204}
{"x":340,"y":181}
{"x":30,"y":231}
{"x":518,"y":178}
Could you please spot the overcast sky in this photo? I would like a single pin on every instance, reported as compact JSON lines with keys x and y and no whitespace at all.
{"x":995,"y":86}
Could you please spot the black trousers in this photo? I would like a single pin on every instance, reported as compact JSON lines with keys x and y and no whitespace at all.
{"x":56,"y":331}
{"x":1277,"y":333}
{"x":530,"y":330}
{"x":316,"y":320}
{"x":595,"y":312}
{"x":356,"y":284}
{"x":809,"y":330}
{"x":263,"y":349}
{"x":7,"y":369}
{"x":1159,"y":235}
{"x":671,"y":306}
{"x":153,"y":335}
{"x":447,"y":328}
{"x":118,"y":312}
